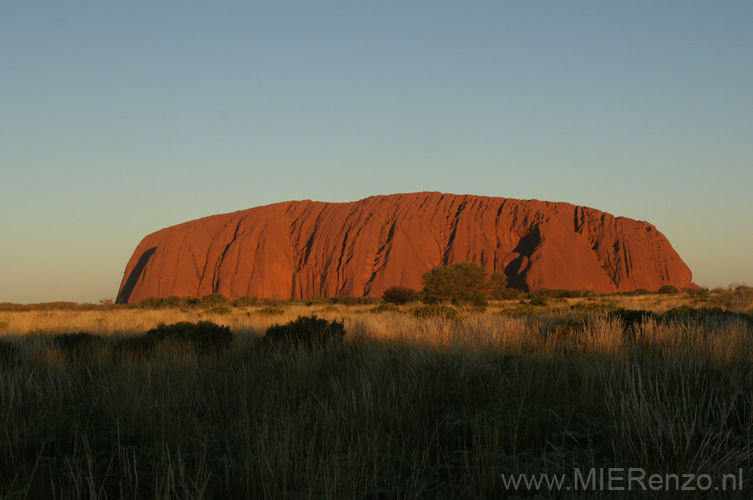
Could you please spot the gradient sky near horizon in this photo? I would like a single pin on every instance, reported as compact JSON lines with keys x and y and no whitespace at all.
{"x":120,"y":118}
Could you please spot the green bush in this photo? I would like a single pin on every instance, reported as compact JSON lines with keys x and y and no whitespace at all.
{"x":737,"y":299}
{"x":190,"y":302}
{"x":399,"y":295}
{"x":306,"y":330}
{"x":245,"y":302}
{"x":172,"y":301}
{"x":204,"y":335}
{"x":78,"y":344}
{"x":319,"y":301}
{"x":669,"y":289}
{"x":213,"y":300}
{"x":537,"y":299}
{"x":349,"y":300}
{"x":592,"y":307}
{"x":497,"y":285}
{"x":474,"y":299}
{"x":435,"y":311}
{"x":270,"y":311}
{"x":150,"y":303}
{"x":219,"y":310}
{"x":386,"y":307}
{"x":557,"y":293}
{"x":525,"y":309}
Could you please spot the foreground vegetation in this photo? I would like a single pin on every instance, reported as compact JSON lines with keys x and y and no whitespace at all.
{"x":412,"y":402}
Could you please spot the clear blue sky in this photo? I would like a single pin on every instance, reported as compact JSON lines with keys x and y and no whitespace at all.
{"x":120,"y":118}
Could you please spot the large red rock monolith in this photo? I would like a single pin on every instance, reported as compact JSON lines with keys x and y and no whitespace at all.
{"x":303,"y":249}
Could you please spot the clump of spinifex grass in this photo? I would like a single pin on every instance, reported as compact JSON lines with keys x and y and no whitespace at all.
{"x":403,"y":407}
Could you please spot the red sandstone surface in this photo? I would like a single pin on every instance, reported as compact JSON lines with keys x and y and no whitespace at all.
{"x":302,"y":249}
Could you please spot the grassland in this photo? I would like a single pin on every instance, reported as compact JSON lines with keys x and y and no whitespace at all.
{"x":405,"y":407}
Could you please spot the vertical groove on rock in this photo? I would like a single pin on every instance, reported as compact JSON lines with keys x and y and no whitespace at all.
{"x":216,"y":276}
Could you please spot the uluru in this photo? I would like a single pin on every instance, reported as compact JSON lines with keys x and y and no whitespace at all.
{"x":303,"y":249}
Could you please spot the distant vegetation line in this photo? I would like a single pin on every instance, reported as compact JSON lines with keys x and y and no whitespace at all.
{"x":718,"y":296}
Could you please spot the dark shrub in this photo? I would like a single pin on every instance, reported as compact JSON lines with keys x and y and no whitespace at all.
{"x":9,"y":353}
{"x":509,"y":294}
{"x":386,"y":307}
{"x":399,"y":295}
{"x":191,"y":301}
{"x":435,"y":311}
{"x":307,"y":331}
{"x":205,"y":335}
{"x":139,"y":345}
{"x":632,"y":318}
{"x":564,"y":329}
{"x":78,"y":344}
{"x":683,"y":310}
{"x":270,"y":311}
{"x":668,"y":289}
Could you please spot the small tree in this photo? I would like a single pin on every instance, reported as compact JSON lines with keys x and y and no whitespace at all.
{"x":463,"y":282}
{"x":669,"y":289}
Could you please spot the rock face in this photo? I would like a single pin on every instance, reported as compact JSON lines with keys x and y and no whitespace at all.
{"x":302,"y":249}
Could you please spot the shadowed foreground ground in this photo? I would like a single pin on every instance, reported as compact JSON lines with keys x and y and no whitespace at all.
{"x":403,"y":408}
